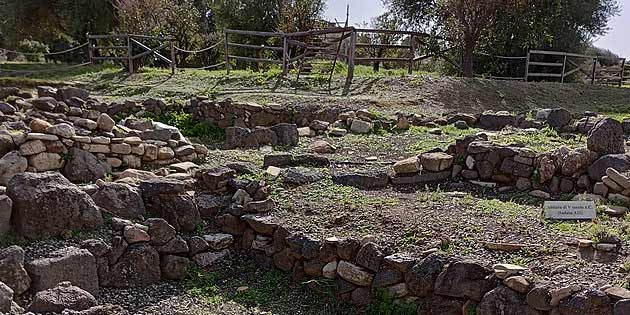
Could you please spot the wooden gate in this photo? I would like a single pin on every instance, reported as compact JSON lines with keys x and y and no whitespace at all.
{"x":120,"y":48}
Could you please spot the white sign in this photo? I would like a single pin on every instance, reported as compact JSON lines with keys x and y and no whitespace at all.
{"x":570,"y":210}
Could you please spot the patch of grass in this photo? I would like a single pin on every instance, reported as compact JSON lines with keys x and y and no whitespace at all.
{"x":8,"y":239}
{"x":203,"y":285}
{"x":540,"y":141}
{"x":328,"y":192}
{"x":423,"y":141}
{"x":411,"y":237}
{"x":271,"y":286}
{"x":384,"y":304}
{"x":187,"y":125}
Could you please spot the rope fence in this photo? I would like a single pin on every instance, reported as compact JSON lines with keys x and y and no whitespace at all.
{"x":200,"y":50}
{"x":45,"y":54}
{"x":45,"y":70}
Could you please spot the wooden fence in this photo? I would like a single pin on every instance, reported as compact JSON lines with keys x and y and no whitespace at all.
{"x":560,"y":65}
{"x":121,"y":48}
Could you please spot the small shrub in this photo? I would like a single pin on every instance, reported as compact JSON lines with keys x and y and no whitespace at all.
{"x":33,"y":47}
{"x":202,"y":285}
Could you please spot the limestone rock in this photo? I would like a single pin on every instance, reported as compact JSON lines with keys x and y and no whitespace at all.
{"x":10,"y":165}
{"x":105,"y":123}
{"x":46,"y":161}
{"x":361,"y":127}
{"x":436,"y":162}
{"x":354,"y":274}
{"x":408,"y":166}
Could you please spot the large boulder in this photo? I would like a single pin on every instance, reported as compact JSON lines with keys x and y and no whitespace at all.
{"x":422,"y":276}
{"x":167,"y":199}
{"x":12,"y":272}
{"x":68,"y":92}
{"x":47,"y":204}
{"x":47,"y":104}
{"x":619,"y":162}
{"x":84,"y":167}
{"x":138,"y":266}
{"x":558,"y":118}
{"x":606,"y":137}
{"x":589,"y":302}
{"x":503,"y":300}
{"x":464,"y":279}
{"x":61,"y":297}
{"x":10,"y":165}
{"x":6,"y":298}
{"x":287,"y":134}
{"x":368,"y":179}
{"x":497,"y":121}
{"x":72,"y":264}
{"x":6,"y":143}
{"x":121,"y":200}
{"x":6,"y":207}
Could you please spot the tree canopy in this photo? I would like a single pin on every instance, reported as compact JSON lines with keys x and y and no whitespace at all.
{"x":508,"y":27}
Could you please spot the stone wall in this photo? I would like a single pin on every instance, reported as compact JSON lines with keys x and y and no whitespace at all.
{"x":141,"y":254}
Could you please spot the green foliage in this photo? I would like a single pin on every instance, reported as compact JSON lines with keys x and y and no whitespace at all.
{"x":384,"y":304}
{"x":189,"y":127}
{"x":32,"y":47}
{"x":268,"y":288}
{"x":509,"y":28}
{"x":203,"y":285}
{"x":8,"y":240}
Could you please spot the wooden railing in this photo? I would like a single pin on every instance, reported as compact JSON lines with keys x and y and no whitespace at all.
{"x":560,"y":65}
{"x":123,"y":48}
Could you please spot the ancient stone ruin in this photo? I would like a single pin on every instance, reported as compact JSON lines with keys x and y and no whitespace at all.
{"x":167,"y":204}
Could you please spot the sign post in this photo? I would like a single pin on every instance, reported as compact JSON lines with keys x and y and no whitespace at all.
{"x":569,"y":210}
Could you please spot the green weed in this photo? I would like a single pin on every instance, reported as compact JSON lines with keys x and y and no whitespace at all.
{"x":201,"y":284}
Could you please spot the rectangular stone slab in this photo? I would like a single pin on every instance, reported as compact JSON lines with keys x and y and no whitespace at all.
{"x":569,"y":210}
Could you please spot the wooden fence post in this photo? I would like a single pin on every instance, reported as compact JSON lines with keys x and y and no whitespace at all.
{"x":593,"y":73}
{"x":285,"y":56}
{"x":227,"y":53}
{"x":412,"y":54}
{"x":623,"y":69}
{"x":351,"y":57}
{"x":527,"y":66}
{"x":564,"y":66}
{"x":173,"y":64}
{"x":129,"y":54}
{"x":90,"y":53}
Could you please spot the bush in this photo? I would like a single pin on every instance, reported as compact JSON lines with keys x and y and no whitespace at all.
{"x":189,"y":127}
{"x":33,"y":47}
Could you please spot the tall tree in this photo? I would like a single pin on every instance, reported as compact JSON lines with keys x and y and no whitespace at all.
{"x":508,"y":27}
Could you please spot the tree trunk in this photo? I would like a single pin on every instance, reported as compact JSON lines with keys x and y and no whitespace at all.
{"x":468,"y":58}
